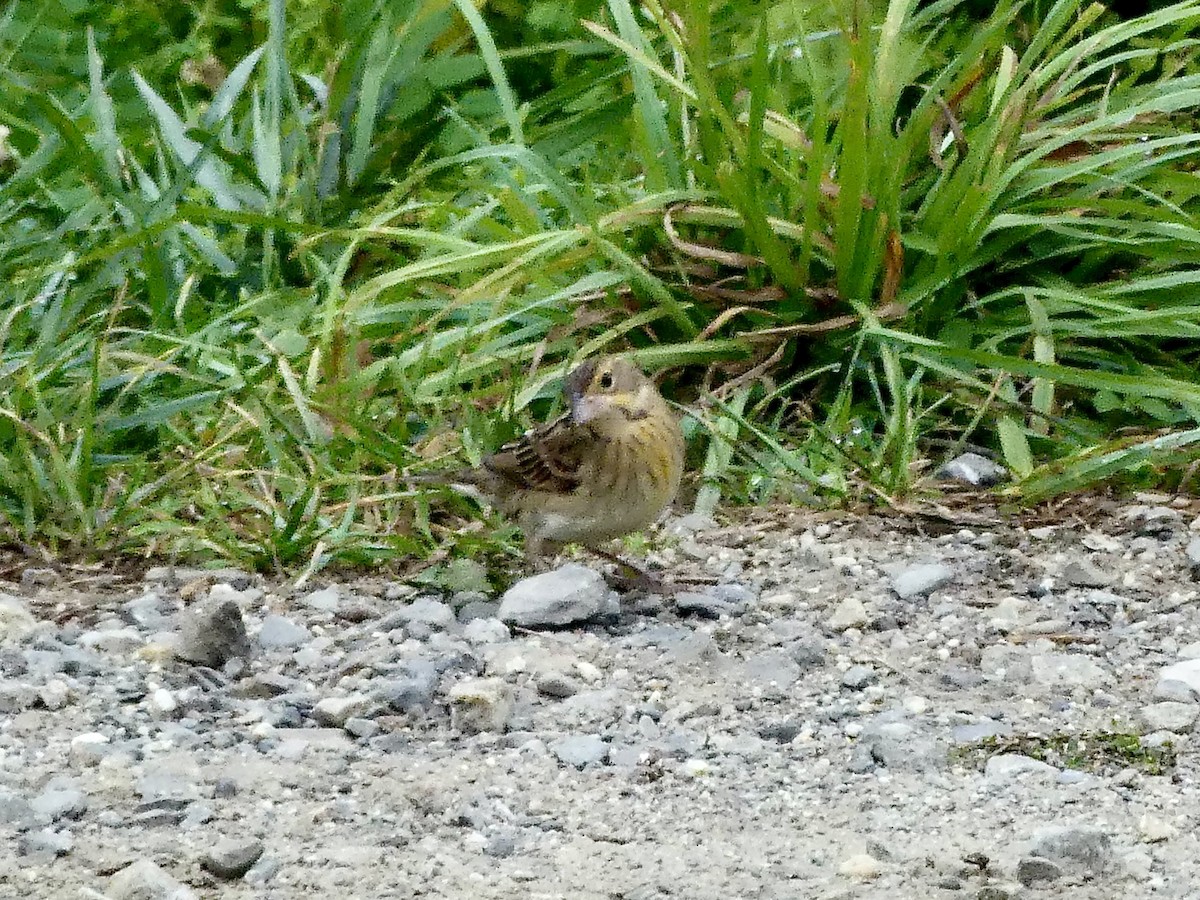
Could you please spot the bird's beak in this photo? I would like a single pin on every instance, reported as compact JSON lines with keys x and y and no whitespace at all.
{"x":586,"y":407}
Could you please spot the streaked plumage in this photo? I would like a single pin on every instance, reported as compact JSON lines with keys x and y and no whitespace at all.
{"x":606,"y":468}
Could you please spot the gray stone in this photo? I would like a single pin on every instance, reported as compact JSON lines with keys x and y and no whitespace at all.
{"x":567,"y":595}
{"x":281,"y":633}
{"x":500,"y":846}
{"x":1192,"y":551}
{"x":557,"y":685}
{"x":15,"y":698}
{"x":143,"y":880}
{"x":146,"y":612}
{"x":54,"y":694}
{"x":481,"y":704}
{"x":1082,"y":572}
{"x":361,"y":728}
{"x":705,"y":606}
{"x":112,"y":640}
{"x":54,"y":804}
{"x":1069,"y":670}
{"x":850,"y":613}
{"x":212,"y":634}
{"x":485,"y":631}
{"x":14,"y":809}
{"x":231,"y":858}
{"x":973,"y":469}
{"x":1169,"y":715}
{"x":415,"y":688}
{"x":1186,"y":672}
{"x":858,"y":677}
{"x":16,"y":621}
{"x":427,"y":611}
{"x":1005,"y":766}
{"x":323,"y":600}
{"x":333,"y":712}
{"x":45,"y":844}
{"x":580,"y":750}
{"x":1178,"y":691}
{"x":1080,"y":849}
{"x":921,"y":580}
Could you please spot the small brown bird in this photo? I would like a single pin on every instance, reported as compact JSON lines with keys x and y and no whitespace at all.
{"x":606,"y":468}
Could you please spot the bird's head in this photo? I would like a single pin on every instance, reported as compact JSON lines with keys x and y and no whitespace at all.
{"x":607,"y":393}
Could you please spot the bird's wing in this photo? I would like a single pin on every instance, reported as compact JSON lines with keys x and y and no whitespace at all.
{"x":544,"y":459}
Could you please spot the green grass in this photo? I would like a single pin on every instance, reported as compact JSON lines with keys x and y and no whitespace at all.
{"x":231,"y":319}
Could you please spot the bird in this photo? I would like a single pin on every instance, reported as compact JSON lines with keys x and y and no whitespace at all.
{"x":607,"y":467}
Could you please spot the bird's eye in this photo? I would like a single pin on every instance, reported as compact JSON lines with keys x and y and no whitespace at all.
{"x":606,"y":381}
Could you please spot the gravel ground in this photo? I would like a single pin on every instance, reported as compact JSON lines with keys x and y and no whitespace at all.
{"x":857,"y":707}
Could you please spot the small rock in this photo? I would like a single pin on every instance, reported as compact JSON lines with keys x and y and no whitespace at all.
{"x":45,"y":844}
{"x":1170,"y":715}
{"x":163,"y":703}
{"x":999,"y":892}
{"x":1193,"y":553}
{"x":858,"y":677}
{"x":143,"y":880}
{"x":1187,"y":672}
{"x":1177,"y":691}
{"x":861,"y":867}
{"x":850,"y":613}
{"x":212,"y":634}
{"x":569,"y":594}
{"x":921,"y":580}
{"x":1155,"y":830}
{"x":427,"y":611}
{"x":481,"y":704}
{"x":112,"y":640}
{"x":1068,"y":670}
{"x":706,"y":606}
{"x":361,"y":728}
{"x":89,"y":748}
{"x":980,"y":731}
{"x":483,"y":630}
{"x":55,"y":804}
{"x":323,"y":600}
{"x":15,"y":698}
{"x":1004,"y":766}
{"x":231,"y":858}
{"x":1033,"y":870}
{"x":14,"y":809}
{"x":580,"y":750}
{"x":973,"y":469}
{"x":556,"y":685}
{"x":16,"y":621}
{"x":500,"y":846}
{"x":54,"y":694}
{"x":1082,"y":572}
{"x":333,"y":712}
{"x":281,"y":633}
{"x":1079,"y":848}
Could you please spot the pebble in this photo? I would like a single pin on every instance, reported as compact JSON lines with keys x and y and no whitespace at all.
{"x":1034,"y":870}
{"x":850,"y":613}
{"x":281,"y":633}
{"x":858,"y":677}
{"x":1080,"y":848}
{"x":1185,"y":672}
{"x":481,"y":704}
{"x":861,"y":867}
{"x":1005,"y":766}
{"x":231,"y":858}
{"x":45,"y":844}
{"x":326,"y":600}
{"x":55,"y":804}
{"x":1169,"y":715}
{"x":427,"y":611}
{"x":334,"y":711}
{"x":16,"y":621}
{"x":143,"y":880}
{"x":1083,"y":573}
{"x":1155,"y":830}
{"x":112,"y":640}
{"x":580,"y":750}
{"x":922,"y":580}
{"x":212,"y":634}
{"x":564,"y":596}
{"x":705,"y":606}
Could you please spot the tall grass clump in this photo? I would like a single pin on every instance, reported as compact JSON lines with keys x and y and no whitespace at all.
{"x":852,"y":237}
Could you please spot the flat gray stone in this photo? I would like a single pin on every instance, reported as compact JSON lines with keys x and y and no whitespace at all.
{"x":481,"y":704}
{"x":16,"y":621}
{"x":212,"y":634}
{"x":1083,"y":573}
{"x":979,"y":731}
{"x":281,"y":633}
{"x":323,"y":600}
{"x":1034,"y":870}
{"x":1005,"y":766}
{"x":850,"y":613}
{"x":334,"y":711}
{"x":921,"y":580}
{"x":1185,"y":672}
{"x":45,"y":844}
{"x":231,"y":858}
{"x":580,"y":750}
{"x":1170,"y":715}
{"x":1077,"y":848}
{"x":143,"y":880}
{"x":427,"y":611}
{"x":856,"y":678}
{"x":1069,"y":670}
{"x":1192,"y":551}
{"x":55,"y":804}
{"x":565,"y":596}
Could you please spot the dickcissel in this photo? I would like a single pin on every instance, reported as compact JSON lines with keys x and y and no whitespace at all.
{"x":607,"y":467}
